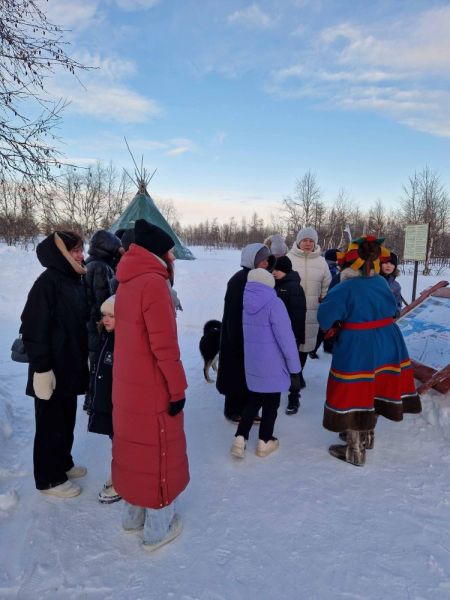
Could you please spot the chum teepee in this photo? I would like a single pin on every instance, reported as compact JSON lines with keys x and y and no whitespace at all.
{"x":143,"y":207}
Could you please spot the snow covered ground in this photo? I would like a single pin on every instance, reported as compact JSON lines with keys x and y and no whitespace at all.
{"x":296,"y":525}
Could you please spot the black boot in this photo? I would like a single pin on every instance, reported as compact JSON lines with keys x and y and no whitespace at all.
{"x":293,"y":403}
{"x":313,"y":354}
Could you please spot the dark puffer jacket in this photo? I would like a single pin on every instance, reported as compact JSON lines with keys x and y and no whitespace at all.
{"x":293,"y":296}
{"x":101,"y":263}
{"x":54,"y":323}
{"x":231,"y":374}
{"x":100,"y":389}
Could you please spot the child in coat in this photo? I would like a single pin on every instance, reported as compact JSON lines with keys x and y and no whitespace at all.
{"x":389,"y":271}
{"x":100,"y":416}
{"x":271,"y":360}
{"x":288,"y":288}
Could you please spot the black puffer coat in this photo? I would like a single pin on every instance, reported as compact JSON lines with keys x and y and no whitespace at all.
{"x":54,"y":323}
{"x":293,"y":296}
{"x":231,"y":372}
{"x":100,"y":389}
{"x":101,"y":263}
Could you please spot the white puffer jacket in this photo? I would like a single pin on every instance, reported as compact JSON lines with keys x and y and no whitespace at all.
{"x":315,"y":278}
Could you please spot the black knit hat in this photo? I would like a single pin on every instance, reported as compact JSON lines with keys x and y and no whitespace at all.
{"x":283,"y":263}
{"x":331,"y":255}
{"x":393,"y":259}
{"x":152,"y":238}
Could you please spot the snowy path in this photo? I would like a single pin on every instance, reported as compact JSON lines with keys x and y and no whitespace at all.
{"x":296,"y":525}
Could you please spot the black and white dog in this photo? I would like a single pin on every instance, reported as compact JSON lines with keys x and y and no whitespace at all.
{"x":209,"y":346}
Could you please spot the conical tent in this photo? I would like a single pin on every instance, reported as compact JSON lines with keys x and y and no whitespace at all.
{"x":143,"y":207}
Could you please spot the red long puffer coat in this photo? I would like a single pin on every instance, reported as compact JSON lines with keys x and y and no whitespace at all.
{"x":150,"y":465}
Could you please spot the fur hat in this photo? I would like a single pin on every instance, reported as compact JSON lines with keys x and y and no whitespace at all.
{"x":261,"y":276}
{"x":283,"y":263}
{"x":108,"y":305}
{"x":364,"y":254}
{"x":152,"y":238}
{"x":307,"y":233}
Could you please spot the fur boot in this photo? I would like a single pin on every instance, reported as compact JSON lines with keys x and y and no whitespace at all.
{"x":355,"y":450}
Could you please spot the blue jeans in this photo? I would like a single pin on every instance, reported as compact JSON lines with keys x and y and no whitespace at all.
{"x":156,"y":521}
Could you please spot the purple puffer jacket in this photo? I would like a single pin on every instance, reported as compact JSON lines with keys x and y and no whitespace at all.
{"x":270,"y":352}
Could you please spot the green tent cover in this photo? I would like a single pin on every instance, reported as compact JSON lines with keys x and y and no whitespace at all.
{"x":143,"y":207}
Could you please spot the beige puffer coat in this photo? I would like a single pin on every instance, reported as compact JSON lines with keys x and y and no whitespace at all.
{"x":315,"y":278}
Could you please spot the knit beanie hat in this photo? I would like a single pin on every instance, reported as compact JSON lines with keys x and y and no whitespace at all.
{"x":108,"y":305}
{"x":331,"y":255}
{"x":261,"y":276}
{"x":277,"y":245}
{"x":307,"y":233}
{"x":283,"y":264}
{"x":262,"y":254}
{"x":393,"y":259}
{"x":127,"y":238}
{"x":152,"y":238}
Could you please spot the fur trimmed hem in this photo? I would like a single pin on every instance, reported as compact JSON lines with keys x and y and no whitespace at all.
{"x":363,"y":420}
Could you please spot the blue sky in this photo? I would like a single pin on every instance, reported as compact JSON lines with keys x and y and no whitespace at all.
{"x":232,"y":101}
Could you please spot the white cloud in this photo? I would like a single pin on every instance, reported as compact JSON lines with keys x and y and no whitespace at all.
{"x":116,"y":103}
{"x":180,"y":146}
{"x":400,"y":70}
{"x":136,"y":4}
{"x":73,"y":14}
{"x":108,"y":67}
{"x":252,"y":17}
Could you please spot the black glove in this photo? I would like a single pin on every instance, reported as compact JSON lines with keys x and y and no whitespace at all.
{"x":295,"y":383}
{"x":176,"y":407}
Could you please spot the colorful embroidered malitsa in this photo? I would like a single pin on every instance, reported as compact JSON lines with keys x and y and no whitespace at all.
{"x":364,"y":254}
{"x":371,"y":373}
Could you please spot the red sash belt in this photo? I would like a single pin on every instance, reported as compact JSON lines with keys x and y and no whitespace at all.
{"x":369,"y":324}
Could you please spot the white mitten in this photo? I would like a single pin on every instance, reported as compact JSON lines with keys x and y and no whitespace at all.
{"x":44,"y":384}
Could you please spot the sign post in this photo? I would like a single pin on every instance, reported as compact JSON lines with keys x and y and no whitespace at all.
{"x":416,"y":243}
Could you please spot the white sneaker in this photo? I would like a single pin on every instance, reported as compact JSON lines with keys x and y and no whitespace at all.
{"x":108,"y":495}
{"x":76,"y":471}
{"x":266,"y":448}
{"x":238,"y":448}
{"x":63,"y":490}
{"x":176,"y":527}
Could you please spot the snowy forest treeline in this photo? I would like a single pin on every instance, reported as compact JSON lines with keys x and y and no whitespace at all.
{"x":89,"y":199}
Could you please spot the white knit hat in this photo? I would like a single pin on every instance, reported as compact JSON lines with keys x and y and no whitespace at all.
{"x":108,"y":305}
{"x":261,"y":276}
{"x":307,"y":233}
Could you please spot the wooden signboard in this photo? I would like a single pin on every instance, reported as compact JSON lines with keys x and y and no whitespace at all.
{"x":425,"y":325}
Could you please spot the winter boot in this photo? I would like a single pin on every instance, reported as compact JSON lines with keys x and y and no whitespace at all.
{"x":238,"y":447}
{"x":265,"y":448}
{"x":108,"y":495}
{"x":176,"y":527}
{"x":293,"y":404}
{"x":370,"y":437}
{"x":63,"y":490}
{"x":354,"y":452}
{"x":76,"y":471}
{"x":313,"y":354}
{"x":343,"y":436}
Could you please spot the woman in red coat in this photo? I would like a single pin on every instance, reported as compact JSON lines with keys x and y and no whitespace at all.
{"x":150,"y":465}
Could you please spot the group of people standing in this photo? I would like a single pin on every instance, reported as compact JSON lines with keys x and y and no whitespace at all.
{"x":106,"y":328}
{"x":277,"y":310}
